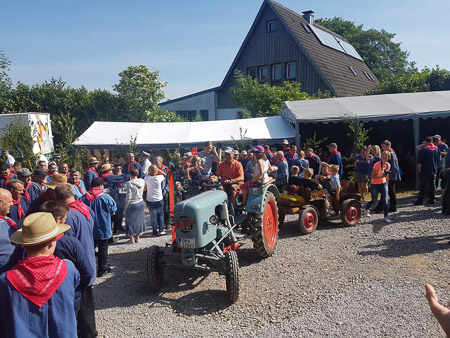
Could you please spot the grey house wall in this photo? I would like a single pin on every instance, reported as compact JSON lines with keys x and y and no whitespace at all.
{"x":197,"y":102}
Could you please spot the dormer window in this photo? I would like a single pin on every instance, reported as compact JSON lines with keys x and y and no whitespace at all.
{"x":271,"y":26}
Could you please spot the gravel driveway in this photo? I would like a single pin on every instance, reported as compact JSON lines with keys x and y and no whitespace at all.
{"x":365,"y":281}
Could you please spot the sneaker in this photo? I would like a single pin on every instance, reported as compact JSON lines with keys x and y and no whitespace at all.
{"x":367,"y":212}
{"x":162,"y":233}
{"x":387,"y":220}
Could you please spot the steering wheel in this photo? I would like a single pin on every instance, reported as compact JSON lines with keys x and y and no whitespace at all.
{"x":223,"y":176}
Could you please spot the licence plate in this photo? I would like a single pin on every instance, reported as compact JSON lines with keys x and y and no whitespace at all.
{"x":186,"y":243}
{"x":122,"y":190}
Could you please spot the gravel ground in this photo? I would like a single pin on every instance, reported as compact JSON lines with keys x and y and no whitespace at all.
{"x":364,"y":281}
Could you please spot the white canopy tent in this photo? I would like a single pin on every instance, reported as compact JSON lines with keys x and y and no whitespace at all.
{"x":170,"y":135}
{"x":387,"y":107}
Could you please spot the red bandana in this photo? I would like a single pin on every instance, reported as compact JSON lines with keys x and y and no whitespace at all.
{"x":93,"y":193}
{"x":81,"y":207}
{"x":331,"y":154}
{"x":26,"y":194}
{"x":129,"y":164}
{"x":7,"y":178}
{"x":162,"y":168}
{"x":93,"y":170}
{"x":37,"y":278}
{"x":281,"y":160}
{"x":10,"y":222}
{"x":78,"y":185}
{"x":431,"y":146}
{"x":20,"y":211}
{"x":105,"y":175}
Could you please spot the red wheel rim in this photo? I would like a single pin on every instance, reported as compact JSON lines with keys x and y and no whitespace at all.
{"x":309,"y":220}
{"x":270,"y":224}
{"x":352,"y":214}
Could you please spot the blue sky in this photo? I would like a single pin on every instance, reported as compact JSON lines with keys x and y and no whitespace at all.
{"x":192,"y":43}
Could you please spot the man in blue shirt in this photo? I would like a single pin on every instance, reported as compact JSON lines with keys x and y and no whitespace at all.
{"x":91,"y":172}
{"x":103,"y":206}
{"x":7,"y":228}
{"x":427,"y":164}
{"x":38,"y":294}
{"x":79,"y":188}
{"x":132,"y":163}
{"x":335,"y":158}
{"x":282,"y":173}
{"x":20,"y":204}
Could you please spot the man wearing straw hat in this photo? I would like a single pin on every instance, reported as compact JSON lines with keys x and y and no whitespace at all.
{"x":91,"y":172}
{"x":38,"y":294}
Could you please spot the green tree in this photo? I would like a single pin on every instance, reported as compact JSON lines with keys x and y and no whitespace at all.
{"x":17,"y":138}
{"x":381,"y":54}
{"x":316,"y":144}
{"x":141,"y":89}
{"x":262,"y":99}
{"x":5,"y":83}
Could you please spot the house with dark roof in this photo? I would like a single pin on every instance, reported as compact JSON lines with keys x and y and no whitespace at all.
{"x":283,"y":45}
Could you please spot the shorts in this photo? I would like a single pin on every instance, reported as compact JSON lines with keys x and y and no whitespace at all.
{"x":248,"y":184}
{"x":364,"y":178}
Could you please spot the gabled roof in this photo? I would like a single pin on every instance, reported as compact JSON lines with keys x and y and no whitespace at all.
{"x":332,"y":66}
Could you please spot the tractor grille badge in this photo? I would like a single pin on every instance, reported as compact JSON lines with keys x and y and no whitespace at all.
{"x":185,"y":224}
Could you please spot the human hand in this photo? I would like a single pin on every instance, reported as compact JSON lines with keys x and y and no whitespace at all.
{"x":440,"y":312}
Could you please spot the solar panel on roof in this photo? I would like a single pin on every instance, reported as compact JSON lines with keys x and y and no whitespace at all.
{"x":334,"y":42}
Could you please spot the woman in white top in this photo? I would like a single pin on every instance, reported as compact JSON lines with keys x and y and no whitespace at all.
{"x":261,"y":169}
{"x":134,"y":207}
{"x":155,"y":200}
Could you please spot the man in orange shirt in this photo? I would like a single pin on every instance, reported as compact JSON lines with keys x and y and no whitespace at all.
{"x":233,"y":175}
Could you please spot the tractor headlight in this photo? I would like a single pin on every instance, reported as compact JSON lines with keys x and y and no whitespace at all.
{"x":213,"y":220}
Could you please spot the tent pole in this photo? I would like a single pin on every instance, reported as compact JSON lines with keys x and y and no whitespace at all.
{"x":416,"y":127}
{"x":297,"y":135}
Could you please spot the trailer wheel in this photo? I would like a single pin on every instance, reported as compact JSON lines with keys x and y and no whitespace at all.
{"x":308,"y":220}
{"x":350,"y":212}
{"x":232,"y":276}
{"x":154,"y":268}
{"x":264,"y":227}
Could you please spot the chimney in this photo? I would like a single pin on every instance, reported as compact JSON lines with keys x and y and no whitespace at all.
{"x":309,"y":16}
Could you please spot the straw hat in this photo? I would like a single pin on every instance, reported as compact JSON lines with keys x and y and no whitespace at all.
{"x":92,"y":159}
{"x":38,"y":228}
{"x":106,"y":167}
{"x":57,"y":179}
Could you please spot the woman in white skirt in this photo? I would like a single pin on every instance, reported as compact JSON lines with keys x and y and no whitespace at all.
{"x":134,"y":207}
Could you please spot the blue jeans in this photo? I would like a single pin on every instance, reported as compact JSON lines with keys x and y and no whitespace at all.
{"x":156,"y":215}
{"x":383,"y":190}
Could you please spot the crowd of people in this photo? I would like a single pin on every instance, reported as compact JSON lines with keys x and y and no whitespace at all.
{"x":53,"y":222}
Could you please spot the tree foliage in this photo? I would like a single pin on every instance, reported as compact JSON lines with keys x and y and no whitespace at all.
{"x":17,"y":138}
{"x":5,"y":82}
{"x":141,"y":89}
{"x":262,"y":99}
{"x":381,"y":54}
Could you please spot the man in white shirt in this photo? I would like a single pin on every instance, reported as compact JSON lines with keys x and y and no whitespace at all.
{"x":9,"y":159}
{"x":147,"y":163}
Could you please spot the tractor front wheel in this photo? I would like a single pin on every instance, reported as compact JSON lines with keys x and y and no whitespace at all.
{"x":154,"y":268}
{"x":264,"y":227}
{"x":232,"y":276}
{"x":350,"y":212}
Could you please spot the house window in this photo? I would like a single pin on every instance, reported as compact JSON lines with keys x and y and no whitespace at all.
{"x":252,"y":72}
{"x":353,"y":71}
{"x":187,"y":114}
{"x":204,"y":114}
{"x":291,"y":70}
{"x":276,"y":72}
{"x":271,"y":26}
{"x":264,"y":73}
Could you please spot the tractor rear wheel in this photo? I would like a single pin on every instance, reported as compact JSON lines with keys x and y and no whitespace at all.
{"x":308,"y":220}
{"x":232,"y":276}
{"x":264,"y":227}
{"x":350,"y":212}
{"x":154,"y":268}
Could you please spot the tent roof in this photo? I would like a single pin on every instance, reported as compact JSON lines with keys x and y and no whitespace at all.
{"x":169,"y":135}
{"x":369,"y":108}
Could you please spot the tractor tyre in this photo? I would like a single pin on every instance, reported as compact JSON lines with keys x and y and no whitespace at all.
{"x":154,"y":268}
{"x":281,"y":217}
{"x":232,"y":276}
{"x":308,"y":219}
{"x":264,"y":227}
{"x":350,"y":212}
